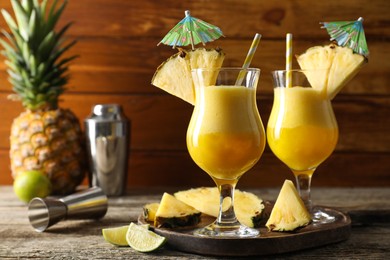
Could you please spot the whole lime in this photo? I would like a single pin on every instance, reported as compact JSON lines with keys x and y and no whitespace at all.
{"x":31,"y":184}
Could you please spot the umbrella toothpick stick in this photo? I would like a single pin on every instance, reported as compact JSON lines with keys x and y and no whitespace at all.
{"x":192,"y":40}
{"x":248,"y":58}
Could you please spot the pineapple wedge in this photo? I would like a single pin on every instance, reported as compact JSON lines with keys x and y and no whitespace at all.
{"x":248,"y":207}
{"x":173,"y":213}
{"x":150,"y":211}
{"x":174,"y":75}
{"x":336,"y":67}
{"x":289,"y":211}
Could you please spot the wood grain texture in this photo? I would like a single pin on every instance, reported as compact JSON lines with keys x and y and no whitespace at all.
{"x":82,"y":239}
{"x":117,"y":66}
{"x":159,"y":122}
{"x":150,"y":18}
{"x":118,"y":57}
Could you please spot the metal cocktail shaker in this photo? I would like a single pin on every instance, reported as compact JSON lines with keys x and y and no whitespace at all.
{"x":107,"y":131}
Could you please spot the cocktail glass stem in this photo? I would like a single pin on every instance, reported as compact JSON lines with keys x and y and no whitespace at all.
{"x":227,"y":217}
{"x":226,"y":224}
{"x":303,"y":180}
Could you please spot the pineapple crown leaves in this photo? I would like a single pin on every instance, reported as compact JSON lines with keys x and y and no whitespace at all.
{"x":34,"y":50}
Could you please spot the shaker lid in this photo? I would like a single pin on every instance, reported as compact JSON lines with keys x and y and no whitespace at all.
{"x":103,"y":112}
{"x":105,"y":109}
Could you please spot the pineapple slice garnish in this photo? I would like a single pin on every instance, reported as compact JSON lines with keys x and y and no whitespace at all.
{"x":335,"y":66}
{"x":174,"y":75}
{"x":289,"y":211}
{"x":248,"y":207}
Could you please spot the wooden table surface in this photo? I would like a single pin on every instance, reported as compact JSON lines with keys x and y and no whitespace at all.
{"x":369,"y":209}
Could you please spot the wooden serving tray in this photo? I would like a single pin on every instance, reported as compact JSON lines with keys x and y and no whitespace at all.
{"x":267,"y":243}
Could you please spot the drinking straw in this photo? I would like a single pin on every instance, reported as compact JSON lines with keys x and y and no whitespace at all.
{"x":288,"y":59}
{"x":248,"y":58}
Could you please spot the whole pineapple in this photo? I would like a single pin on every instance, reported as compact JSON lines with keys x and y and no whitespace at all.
{"x":44,"y":137}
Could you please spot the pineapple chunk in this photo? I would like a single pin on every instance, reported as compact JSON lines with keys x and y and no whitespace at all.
{"x":248,"y":207}
{"x":345,"y":66}
{"x":289,"y":211}
{"x":336,"y":67}
{"x":150,"y":211}
{"x":175,"y":213}
{"x":174,"y":75}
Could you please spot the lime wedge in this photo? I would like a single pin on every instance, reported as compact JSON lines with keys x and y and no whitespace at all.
{"x":116,"y":235}
{"x":143,"y":240}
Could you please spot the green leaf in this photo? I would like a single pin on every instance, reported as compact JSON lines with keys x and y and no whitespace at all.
{"x":17,"y":85}
{"x":63,"y":30}
{"x":12,"y":66}
{"x":30,"y":95}
{"x":41,"y":70}
{"x":43,"y":87}
{"x":32,"y":64}
{"x":14,"y":75}
{"x":10,"y":38}
{"x":48,"y":77}
{"x":43,"y":6}
{"x":26,"y":52}
{"x":14,"y":28}
{"x":22,"y":18}
{"x":26,"y":80}
{"x":46,"y":46}
{"x":54,"y":92}
{"x":33,"y":25}
{"x":27,"y":6}
{"x":41,"y":98}
{"x":64,"y":61}
{"x":8,"y":19}
{"x":13,"y":57}
{"x":55,"y":15}
{"x":6,"y":46}
{"x":9,"y":57}
{"x":59,"y":81}
{"x":61,"y":51}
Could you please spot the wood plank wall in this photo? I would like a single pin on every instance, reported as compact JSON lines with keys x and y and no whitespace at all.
{"x":118,"y":56}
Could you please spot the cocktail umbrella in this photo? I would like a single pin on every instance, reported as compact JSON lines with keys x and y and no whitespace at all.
{"x":349,"y":33}
{"x":192,"y":31}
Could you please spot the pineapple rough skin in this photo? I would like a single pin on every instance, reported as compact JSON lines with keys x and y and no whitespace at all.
{"x":51,"y":142}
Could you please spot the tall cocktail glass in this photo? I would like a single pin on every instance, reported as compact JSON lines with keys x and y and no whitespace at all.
{"x":226,"y":137}
{"x":302,"y":130}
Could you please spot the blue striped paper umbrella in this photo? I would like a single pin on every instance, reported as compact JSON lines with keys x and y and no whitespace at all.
{"x":191,"y":31}
{"x":348,"y":33}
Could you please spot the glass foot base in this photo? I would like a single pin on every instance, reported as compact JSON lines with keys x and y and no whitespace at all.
{"x":238,"y":231}
{"x":319,"y":216}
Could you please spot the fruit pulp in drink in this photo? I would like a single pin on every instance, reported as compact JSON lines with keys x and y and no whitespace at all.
{"x":302,"y":130}
{"x":225,"y":136}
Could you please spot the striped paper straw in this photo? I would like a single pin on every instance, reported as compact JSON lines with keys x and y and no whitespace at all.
{"x":248,"y":58}
{"x":288,"y":59}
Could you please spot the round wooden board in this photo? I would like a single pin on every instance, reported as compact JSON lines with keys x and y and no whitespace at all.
{"x":267,"y":243}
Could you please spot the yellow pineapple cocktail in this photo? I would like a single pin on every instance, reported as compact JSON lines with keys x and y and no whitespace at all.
{"x":226,"y":137}
{"x":302,"y":131}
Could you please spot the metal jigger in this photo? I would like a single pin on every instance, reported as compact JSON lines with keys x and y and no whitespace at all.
{"x":43,"y":213}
